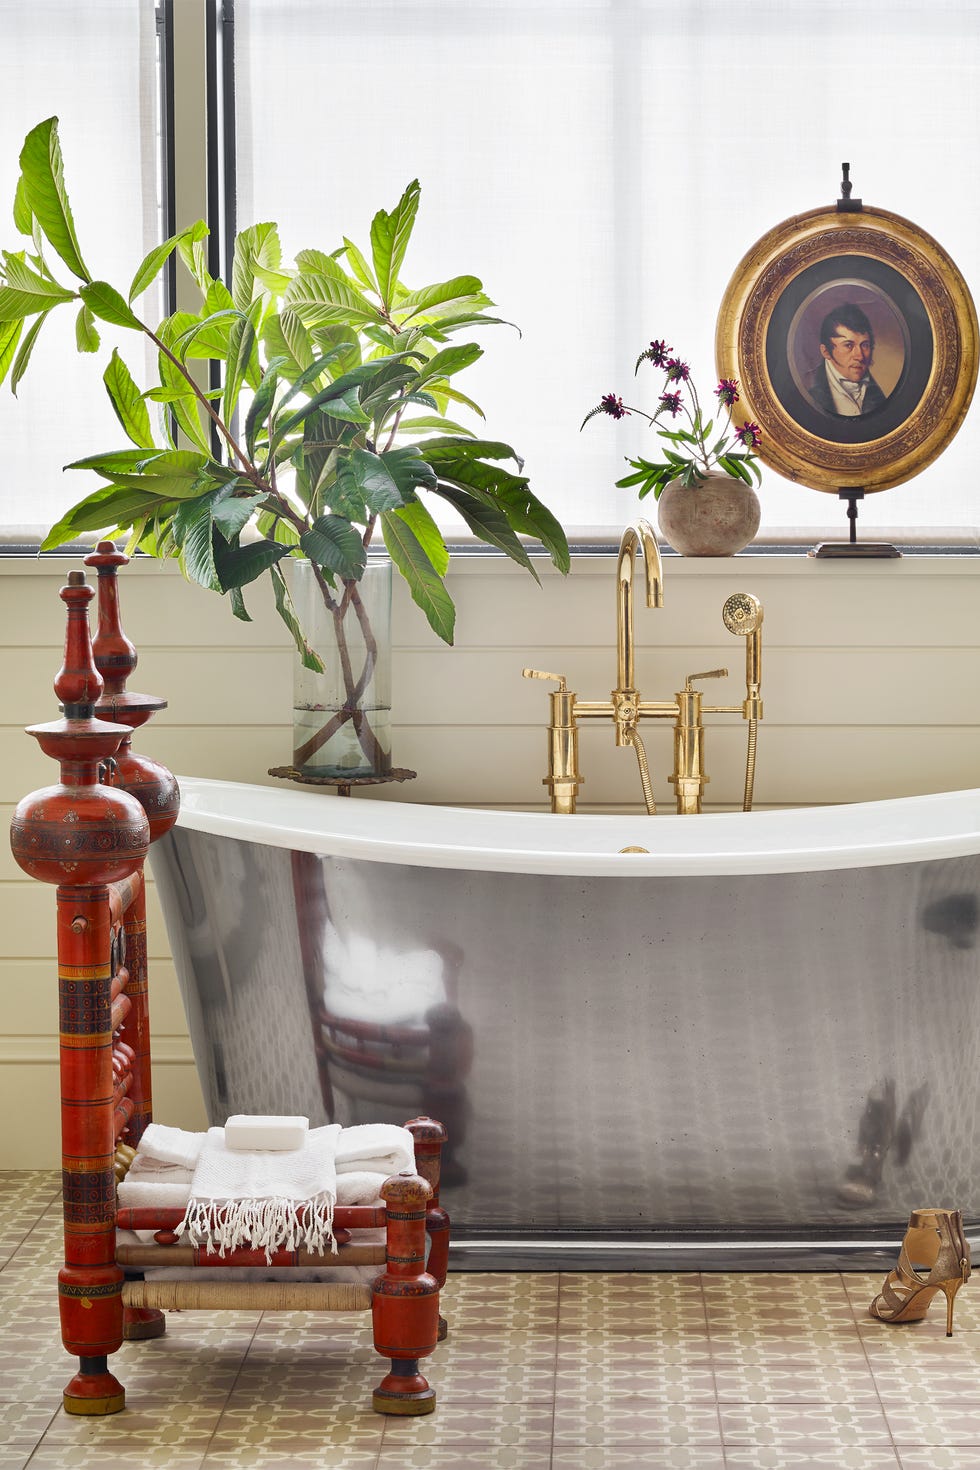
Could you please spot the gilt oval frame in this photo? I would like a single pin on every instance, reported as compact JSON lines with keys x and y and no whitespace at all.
{"x":795,"y":441}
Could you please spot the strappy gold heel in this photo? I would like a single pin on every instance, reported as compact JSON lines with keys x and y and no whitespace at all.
{"x":934,"y":1257}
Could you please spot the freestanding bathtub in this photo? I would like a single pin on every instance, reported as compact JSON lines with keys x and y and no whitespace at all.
{"x":755,"y":1044}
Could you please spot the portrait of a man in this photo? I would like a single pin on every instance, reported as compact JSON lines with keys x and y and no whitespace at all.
{"x":841,"y":383}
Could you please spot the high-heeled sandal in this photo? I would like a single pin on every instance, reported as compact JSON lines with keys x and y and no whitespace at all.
{"x":934,"y":1257}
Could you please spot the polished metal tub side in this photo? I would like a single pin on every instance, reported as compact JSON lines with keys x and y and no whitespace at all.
{"x":757,"y":1044}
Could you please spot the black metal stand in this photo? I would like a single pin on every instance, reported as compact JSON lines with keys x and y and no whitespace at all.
{"x":852,"y":546}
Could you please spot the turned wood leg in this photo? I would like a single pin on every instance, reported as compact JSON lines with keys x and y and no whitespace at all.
{"x":405,"y":1306}
{"x":430,"y":1137}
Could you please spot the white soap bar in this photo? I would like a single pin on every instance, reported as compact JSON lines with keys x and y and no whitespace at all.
{"x":247,"y":1131}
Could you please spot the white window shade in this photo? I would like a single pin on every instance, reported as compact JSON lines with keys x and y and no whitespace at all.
{"x":94,"y":67}
{"x":603,"y":165}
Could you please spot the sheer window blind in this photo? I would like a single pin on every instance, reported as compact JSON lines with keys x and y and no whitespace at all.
{"x":604,"y":165}
{"x":94,"y":67}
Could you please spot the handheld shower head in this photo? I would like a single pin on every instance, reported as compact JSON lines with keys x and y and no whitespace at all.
{"x":742,"y":614}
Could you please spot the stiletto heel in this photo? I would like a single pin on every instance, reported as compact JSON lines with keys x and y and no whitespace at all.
{"x":934,"y":1257}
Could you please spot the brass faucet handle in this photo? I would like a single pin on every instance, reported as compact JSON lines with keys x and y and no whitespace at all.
{"x":708,"y":674}
{"x":541,"y":674}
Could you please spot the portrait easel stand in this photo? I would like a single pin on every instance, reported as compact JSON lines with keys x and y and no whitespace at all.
{"x":852,"y":546}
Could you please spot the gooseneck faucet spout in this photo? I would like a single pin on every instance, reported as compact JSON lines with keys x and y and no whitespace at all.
{"x":633,"y":538}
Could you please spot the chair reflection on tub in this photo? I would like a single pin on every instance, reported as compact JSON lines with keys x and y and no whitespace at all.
{"x":415,"y":1059}
{"x":90,"y":837}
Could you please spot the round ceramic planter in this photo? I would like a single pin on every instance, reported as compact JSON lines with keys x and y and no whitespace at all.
{"x":716,"y":518}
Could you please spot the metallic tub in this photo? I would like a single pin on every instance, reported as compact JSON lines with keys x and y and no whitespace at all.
{"x":757,"y":1044}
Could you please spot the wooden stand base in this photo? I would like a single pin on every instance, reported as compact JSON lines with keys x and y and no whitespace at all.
{"x":94,"y":1393}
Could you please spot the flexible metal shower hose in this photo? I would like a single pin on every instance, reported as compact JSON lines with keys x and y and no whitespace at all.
{"x":750,"y":765}
{"x":641,"y":756}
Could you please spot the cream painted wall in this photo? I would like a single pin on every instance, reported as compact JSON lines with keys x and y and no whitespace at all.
{"x":871,"y":684}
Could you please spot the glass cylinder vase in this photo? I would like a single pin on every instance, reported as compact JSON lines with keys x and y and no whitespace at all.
{"x":342,"y":716}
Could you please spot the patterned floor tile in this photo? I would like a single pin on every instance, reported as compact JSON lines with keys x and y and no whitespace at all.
{"x":24,"y":1423}
{"x":832,"y":1455}
{"x":468,"y":1457}
{"x":923,"y":1425}
{"x":455,"y":1424}
{"x":15,"y":1456}
{"x":330,"y":1458}
{"x":676,"y":1383}
{"x":121,"y":1456}
{"x":186,"y":1432}
{"x":609,"y":1457}
{"x":635,"y":1421}
{"x":611,"y":1350}
{"x":297,"y":1427}
{"x":939,"y":1457}
{"x":736,"y":1384}
{"x":798,"y":1426}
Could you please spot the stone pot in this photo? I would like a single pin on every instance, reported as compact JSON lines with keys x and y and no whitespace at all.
{"x":715,"y":518}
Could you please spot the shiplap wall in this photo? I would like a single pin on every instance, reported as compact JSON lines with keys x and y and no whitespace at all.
{"x":871,"y":678}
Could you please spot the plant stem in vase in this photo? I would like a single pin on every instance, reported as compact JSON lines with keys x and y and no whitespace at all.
{"x":342,"y":715}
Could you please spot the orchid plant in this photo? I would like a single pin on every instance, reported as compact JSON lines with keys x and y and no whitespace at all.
{"x":688,"y":455}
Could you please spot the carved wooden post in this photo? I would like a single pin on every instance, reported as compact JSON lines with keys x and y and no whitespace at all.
{"x":430,"y":1137}
{"x":155,"y":788}
{"x":405,"y":1301}
{"x":82,"y":836}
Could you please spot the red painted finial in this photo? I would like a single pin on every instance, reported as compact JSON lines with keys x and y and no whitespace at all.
{"x":115,"y":656}
{"x":79,"y":683}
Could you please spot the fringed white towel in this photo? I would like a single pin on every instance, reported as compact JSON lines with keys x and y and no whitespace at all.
{"x":379,"y":1148}
{"x":360,"y":1188}
{"x":240,"y":1199}
{"x":170,"y":1145}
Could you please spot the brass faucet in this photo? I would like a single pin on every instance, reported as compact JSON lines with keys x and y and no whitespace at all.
{"x":742,"y":614}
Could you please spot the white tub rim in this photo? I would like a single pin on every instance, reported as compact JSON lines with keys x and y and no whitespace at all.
{"x":792,"y":840}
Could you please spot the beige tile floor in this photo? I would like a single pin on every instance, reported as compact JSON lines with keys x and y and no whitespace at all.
{"x":561,"y":1372}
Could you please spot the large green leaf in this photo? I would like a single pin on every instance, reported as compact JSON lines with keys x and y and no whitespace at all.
{"x":193,"y":529}
{"x":232,"y":513}
{"x":86,"y":336}
{"x":127,"y":401}
{"x":185,"y":404}
{"x":439,"y":295}
{"x":152,"y":264}
{"x":261,"y":404}
{"x":106,"y":507}
{"x":284,"y":607}
{"x":359,"y":265}
{"x":116,"y":461}
{"x":16,"y":303}
{"x":525,"y":513}
{"x":285,"y":336}
{"x":241,"y":340}
{"x":256,"y":245}
{"x":425,"y":585}
{"x":239,"y":565}
{"x":26,"y":348}
{"x":390,"y":234}
{"x":23,"y":215}
{"x":332,"y":542}
{"x":42,"y":170}
{"x":319,"y":299}
{"x":389,"y":480}
{"x":487,"y":522}
{"x":426,"y":533}
{"x":105,"y":301}
{"x":450,"y":360}
{"x":9,"y":337}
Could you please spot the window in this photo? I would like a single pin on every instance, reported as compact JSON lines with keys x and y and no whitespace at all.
{"x":603,"y":165}
{"x":94,"y":66}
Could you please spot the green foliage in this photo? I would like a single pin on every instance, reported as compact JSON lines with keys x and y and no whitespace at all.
{"x":321,"y":359}
{"x":687,"y":453}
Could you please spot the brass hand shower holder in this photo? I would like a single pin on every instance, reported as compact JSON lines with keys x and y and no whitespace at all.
{"x":742,"y":614}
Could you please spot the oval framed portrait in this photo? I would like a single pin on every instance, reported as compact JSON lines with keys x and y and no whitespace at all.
{"x":853,"y":337}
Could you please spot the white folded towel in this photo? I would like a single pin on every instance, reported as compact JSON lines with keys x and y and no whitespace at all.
{"x":170,"y":1145}
{"x":150,"y":1184}
{"x":361,"y":1188}
{"x":253,"y":1199}
{"x":380,"y":1148}
{"x":246,"y":1132}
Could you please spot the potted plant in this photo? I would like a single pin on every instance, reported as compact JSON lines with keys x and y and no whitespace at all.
{"x":703,"y":480}
{"x":322,"y":421}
